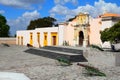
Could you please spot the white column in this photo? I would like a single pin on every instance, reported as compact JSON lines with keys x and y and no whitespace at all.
{"x":60,"y":34}
{"x":41,"y":39}
{"x":85,"y":42}
{"x":77,"y":42}
{"x":49,"y":38}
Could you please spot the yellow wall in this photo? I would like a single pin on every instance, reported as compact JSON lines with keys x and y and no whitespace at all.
{"x":45,"y":38}
{"x":82,"y":18}
{"x":31,"y":38}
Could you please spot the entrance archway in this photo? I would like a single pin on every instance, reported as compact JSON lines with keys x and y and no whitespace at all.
{"x":54,"y":38}
{"x":81,"y":37}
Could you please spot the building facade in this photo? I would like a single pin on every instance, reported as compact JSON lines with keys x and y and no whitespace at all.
{"x":83,"y":30}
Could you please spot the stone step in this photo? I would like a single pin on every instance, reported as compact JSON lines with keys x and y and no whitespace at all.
{"x":56,"y":54}
{"x":63,"y":49}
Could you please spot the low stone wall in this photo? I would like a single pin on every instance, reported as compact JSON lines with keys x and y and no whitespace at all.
{"x":8,"y":40}
{"x":102,"y":58}
{"x":117,"y":60}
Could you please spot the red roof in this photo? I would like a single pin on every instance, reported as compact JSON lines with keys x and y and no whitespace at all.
{"x":110,"y":15}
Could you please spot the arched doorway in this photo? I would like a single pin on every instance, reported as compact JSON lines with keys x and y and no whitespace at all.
{"x":54,"y":38}
{"x":81,"y":37}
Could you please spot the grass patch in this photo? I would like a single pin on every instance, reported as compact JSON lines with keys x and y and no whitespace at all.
{"x":97,"y":47}
{"x":5,"y":44}
{"x":64,"y":61}
{"x":92,"y":71}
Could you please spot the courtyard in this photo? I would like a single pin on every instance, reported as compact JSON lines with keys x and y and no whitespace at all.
{"x":14,"y":59}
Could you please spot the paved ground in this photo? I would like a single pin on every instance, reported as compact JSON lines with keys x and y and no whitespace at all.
{"x":14,"y":59}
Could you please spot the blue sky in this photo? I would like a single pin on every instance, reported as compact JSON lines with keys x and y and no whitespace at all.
{"x":20,"y":12}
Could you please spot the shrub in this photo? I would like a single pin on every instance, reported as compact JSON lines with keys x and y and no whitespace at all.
{"x":65,"y":43}
{"x":97,"y":47}
{"x":110,"y":34}
{"x":92,"y":71}
{"x":64,"y":61}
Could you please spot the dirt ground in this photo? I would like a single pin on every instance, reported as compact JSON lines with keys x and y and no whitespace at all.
{"x":14,"y":59}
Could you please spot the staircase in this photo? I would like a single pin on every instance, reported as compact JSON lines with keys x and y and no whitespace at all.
{"x":63,"y":49}
{"x":55,"y":52}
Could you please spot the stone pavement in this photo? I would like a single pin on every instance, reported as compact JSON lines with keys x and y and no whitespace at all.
{"x":14,"y":59}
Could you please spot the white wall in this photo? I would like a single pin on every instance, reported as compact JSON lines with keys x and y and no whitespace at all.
{"x":69,"y":34}
{"x":102,"y":59}
{"x":107,"y":24}
{"x":26,"y":35}
{"x":94,"y":34}
{"x":66,"y":33}
{"x":61,"y":34}
{"x":42,"y":30}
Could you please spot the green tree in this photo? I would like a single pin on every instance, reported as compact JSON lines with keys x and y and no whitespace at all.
{"x":111,"y":34}
{"x":41,"y":22}
{"x":4,"y":28}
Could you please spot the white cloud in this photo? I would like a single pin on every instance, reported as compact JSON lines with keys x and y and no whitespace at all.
{"x":59,"y":9}
{"x":99,"y":8}
{"x":27,"y":4}
{"x":65,"y":1}
{"x":102,"y":6}
{"x":52,"y":15}
{"x":22,"y":22}
{"x":2,"y":11}
{"x":94,"y":10}
{"x":88,"y":8}
{"x":56,"y":1}
{"x":75,"y":2}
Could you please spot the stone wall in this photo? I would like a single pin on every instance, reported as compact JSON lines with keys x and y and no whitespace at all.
{"x":102,"y":58}
{"x":117,"y":60}
{"x":8,"y":40}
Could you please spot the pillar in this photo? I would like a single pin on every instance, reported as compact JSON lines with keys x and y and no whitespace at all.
{"x":85,"y":41}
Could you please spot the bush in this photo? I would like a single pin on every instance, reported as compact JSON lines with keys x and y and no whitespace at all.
{"x":92,"y":71}
{"x":97,"y":47}
{"x":64,"y":61}
{"x":111,"y":34}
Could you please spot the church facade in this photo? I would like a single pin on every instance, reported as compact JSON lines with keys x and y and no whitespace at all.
{"x":83,"y":30}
